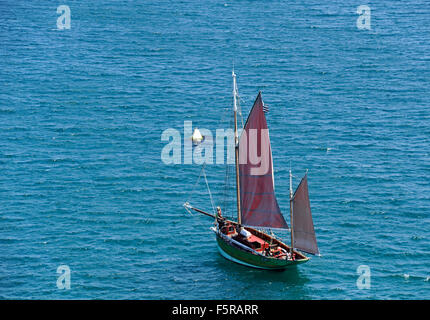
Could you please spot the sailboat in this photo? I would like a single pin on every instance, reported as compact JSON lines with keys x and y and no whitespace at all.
{"x":250,"y":240}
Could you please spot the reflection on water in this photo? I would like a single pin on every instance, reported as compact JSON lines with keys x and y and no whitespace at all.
{"x":255,"y":283}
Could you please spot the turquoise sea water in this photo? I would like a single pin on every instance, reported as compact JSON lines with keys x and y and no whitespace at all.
{"x":82,"y":183}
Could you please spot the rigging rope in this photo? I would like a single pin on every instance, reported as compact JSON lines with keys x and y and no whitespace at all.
{"x":192,"y":191}
{"x":209,"y":190}
{"x":228,"y":168}
{"x":207,"y":185}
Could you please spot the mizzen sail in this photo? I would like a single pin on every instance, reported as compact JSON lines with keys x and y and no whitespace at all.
{"x":303,"y":226}
{"x":259,"y":206}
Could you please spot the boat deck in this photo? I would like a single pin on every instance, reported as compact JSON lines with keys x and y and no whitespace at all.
{"x":259,"y":242}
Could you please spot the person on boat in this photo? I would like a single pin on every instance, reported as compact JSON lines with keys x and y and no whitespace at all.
{"x":218,"y":212}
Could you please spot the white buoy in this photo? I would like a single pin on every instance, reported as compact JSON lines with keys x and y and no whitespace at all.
{"x":197,"y":136}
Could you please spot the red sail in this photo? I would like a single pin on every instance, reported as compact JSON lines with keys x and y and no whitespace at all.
{"x":258,"y":201}
{"x":303,"y":226}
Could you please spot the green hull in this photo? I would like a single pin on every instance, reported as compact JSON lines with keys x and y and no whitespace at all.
{"x":231,"y":252}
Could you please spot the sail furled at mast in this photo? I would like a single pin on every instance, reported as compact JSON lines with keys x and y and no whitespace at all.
{"x":259,"y":206}
{"x":303,"y":226}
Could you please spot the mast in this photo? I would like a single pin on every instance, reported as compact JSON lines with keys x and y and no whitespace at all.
{"x":236,"y":147}
{"x":291,"y":215}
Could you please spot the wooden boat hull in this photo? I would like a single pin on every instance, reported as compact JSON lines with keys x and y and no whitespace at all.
{"x":233,"y":253}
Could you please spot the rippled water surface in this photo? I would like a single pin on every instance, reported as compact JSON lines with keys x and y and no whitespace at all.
{"x":82,"y":111}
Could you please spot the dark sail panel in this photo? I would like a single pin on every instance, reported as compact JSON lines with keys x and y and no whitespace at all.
{"x":258,"y":201}
{"x":303,"y":226}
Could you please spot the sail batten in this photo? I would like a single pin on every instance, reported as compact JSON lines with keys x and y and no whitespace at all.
{"x":259,"y":206}
{"x":303,"y":226}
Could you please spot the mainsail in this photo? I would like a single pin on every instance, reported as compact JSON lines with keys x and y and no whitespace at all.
{"x":259,"y":206}
{"x":303,"y":226}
